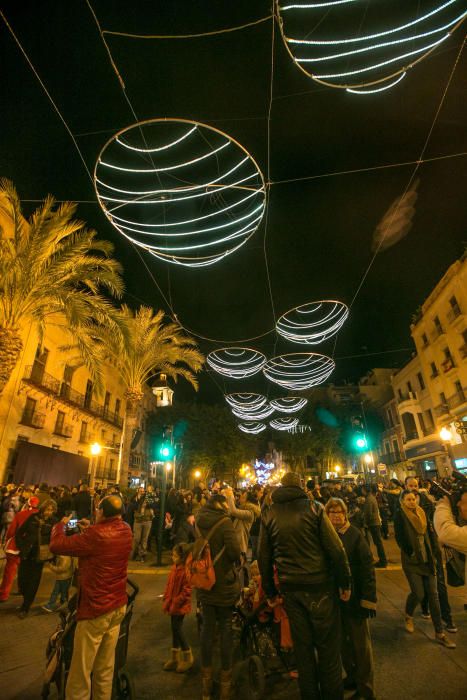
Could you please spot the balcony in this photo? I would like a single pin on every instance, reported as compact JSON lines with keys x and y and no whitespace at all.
{"x":437,"y":333}
{"x":454,"y":314}
{"x":390,"y":458}
{"x":458,"y":399}
{"x":54,"y":387}
{"x":442,"y":410}
{"x":33,"y":419}
{"x":65,"y":431}
{"x":448,"y":365}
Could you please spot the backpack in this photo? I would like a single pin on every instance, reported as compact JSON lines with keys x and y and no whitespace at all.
{"x":199,"y":566}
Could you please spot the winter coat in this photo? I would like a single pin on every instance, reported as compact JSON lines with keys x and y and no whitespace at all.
{"x":177,"y":594}
{"x":297,"y":536}
{"x":449,"y":532}
{"x":185,"y":533}
{"x":243,"y":520}
{"x":226,"y":590}
{"x":63,"y":567}
{"x":31,"y":533}
{"x":82,"y":502}
{"x":371,"y":512}
{"x":412,"y":556}
{"x":10,"y":543}
{"x":103,"y":551}
{"x":363,"y":571}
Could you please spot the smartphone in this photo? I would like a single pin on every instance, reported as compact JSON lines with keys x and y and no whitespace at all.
{"x":72,"y":524}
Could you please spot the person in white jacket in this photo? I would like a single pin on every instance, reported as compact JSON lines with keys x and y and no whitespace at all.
{"x":449,"y":532}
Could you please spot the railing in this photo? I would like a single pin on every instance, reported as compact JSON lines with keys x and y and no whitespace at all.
{"x":441,"y":410}
{"x":413,"y":435}
{"x":51,"y":385}
{"x":33,"y":419}
{"x":457,"y":399}
{"x":390,"y":458}
{"x":448,"y":365}
{"x":408,"y":396}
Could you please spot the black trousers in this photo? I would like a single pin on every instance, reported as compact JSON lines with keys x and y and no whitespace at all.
{"x":442,"y":592}
{"x":178,"y":635}
{"x":375,"y":532}
{"x":315,"y":625}
{"x":357,"y":653}
{"x":213,"y":614}
{"x":29,"y":578}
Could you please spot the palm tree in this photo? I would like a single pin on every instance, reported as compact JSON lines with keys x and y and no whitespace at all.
{"x":146,"y":347}
{"x":51,"y":264}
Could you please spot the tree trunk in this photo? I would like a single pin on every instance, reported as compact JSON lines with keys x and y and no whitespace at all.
{"x":129,"y":425}
{"x":11,"y":346}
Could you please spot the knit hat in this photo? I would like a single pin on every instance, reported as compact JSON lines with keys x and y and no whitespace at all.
{"x":291,"y":479}
{"x":33,"y":501}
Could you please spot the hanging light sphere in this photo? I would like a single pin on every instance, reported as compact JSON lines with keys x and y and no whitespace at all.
{"x":284,"y":423}
{"x":299,"y":370}
{"x":245,"y":402}
{"x":236,"y":363}
{"x":187,"y":193}
{"x":252,"y":428}
{"x":289,"y":404}
{"x":356,"y":45}
{"x":254,"y":414}
{"x":313,"y":323}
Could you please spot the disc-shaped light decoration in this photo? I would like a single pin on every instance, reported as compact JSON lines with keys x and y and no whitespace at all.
{"x":299,"y":370}
{"x":311,"y":324}
{"x":284,"y":423}
{"x":289,"y":404}
{"x":236,"y":363}
{"x":356,"y":45}
{"x":184,"y":191}
{"x":252,"y":428}
{"x":256,"y":414}
{"x":246,"y":402}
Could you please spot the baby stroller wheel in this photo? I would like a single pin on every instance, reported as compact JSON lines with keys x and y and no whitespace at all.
{"x":252,"y":678}
{"x":125,"y":686}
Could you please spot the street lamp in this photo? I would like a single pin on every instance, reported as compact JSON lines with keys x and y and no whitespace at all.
{"x":168,"y":466}
{"x":368,"y":458}
{"x":197,"y":474}
{"x":337,"y":468}
{"x":445,"y":434}
{"x":96,"y":449}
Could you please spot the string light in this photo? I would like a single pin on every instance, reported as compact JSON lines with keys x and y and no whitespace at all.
{"x":256,"y":414}
{"x":284,"y":423}
{"x":194,"y":219}
{"x":441,"y":20}
{"x":298,"y":371}
{"x":289,"y":404}
{"x":236,"y":363}
{"x":313,"y":323}
{"x":242,"y":401}
{"x":252,"y":428}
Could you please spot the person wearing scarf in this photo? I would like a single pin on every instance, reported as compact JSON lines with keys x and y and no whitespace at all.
{"x":417,"y":542}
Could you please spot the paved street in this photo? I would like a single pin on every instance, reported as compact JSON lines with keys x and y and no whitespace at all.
{"x":407,"y":667}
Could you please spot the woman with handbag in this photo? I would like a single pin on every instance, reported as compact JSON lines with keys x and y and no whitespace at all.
{"x":32,"y":540}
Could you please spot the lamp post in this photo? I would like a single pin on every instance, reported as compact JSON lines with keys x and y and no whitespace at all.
{"x":95,"y":450}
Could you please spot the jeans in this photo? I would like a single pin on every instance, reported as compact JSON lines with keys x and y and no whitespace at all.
{"x":178,"y":635}
{"x":442,"y":592}
{"x":140,"y":538}
{"x":418,"y":584}
{"x":314,"y":623}
{"x":29,"y":578}
{"x":375,"y":532}
{"x":60,"y":589}
{"x":223,"y":617}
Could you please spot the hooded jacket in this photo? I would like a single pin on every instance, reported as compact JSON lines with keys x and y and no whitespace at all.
{"x":297,"y":536}
{"x":226,"y":590}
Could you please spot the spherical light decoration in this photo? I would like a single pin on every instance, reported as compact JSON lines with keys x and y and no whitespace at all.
{"x":289,"y":404}
{"x":236,"y":363}
{"x":252,"y":428}
{"x":299,"y":370}
{"x":313,"y":323}
{"x":284,"y":423}
{"x":353,"y":44}
{"x":256,"y":414}
{"x":187,"y":193}
{"x":246,"y":402}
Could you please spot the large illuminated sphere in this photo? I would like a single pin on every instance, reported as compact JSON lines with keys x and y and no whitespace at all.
{"x":284,"y":423}
{"x":363,"y":46}
{"x":251,"y":428}
{"x":299,"y":370}
{"x":289,"y":404}
{"x":246,"y":402}
{"x":185,"y":192}
{"x":236,"y":363}
{"x":311,"y":324}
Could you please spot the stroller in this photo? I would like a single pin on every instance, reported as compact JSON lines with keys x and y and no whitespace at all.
{"x":60,"y":650}
{"x":258,"y":653}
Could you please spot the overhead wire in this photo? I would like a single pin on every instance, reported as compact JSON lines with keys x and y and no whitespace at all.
{"x":215,"y":32}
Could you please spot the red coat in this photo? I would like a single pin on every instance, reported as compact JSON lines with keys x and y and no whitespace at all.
{"x":103,"y":551}
{"x":16,"y":523}
{"x":177,"y":595}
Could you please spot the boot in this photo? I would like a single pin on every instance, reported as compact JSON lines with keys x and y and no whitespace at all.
{"x":172,"y":663}
{"x":206,"y":674}
{"x":226,"y":685}
{"x":409,"y":626}
{"x":186,"y":661}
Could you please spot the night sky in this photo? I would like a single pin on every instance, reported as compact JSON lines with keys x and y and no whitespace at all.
{"x":319,"y":231}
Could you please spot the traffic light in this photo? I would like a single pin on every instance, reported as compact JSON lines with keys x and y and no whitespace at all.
{"x":165,"y":450}
{"x":359,"y":438}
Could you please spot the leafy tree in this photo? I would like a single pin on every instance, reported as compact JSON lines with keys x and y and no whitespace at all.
{"x":51,"y":264}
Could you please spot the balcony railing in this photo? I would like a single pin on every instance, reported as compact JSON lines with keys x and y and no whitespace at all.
{"x":50,"y":385}
{"x":412,"y":435}
{"x":448,"y":365}
{"x":33,"y":419}
{"x":408,"y":396}
{"x":459,"y":398}
{"x":390,"y":458}
{"x":441,"y":410}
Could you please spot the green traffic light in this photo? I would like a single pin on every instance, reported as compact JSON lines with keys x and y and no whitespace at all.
{"x":361,"y":443}
{"x":165,"y":452}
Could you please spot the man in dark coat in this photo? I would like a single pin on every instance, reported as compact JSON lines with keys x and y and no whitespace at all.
{"x":83,"y":503}
{"x":357,"y":653}
{"x":297,"y":538}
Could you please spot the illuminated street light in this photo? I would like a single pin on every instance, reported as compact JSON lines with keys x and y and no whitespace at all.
{"x":337,"y":468}
{"x":96,"y":449}
{"x":197,"y":474}
{"x":445,"y":434}
{"x":368,"y":459}
{"x":168,"y":466}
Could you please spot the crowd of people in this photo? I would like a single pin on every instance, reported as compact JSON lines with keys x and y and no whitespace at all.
{"x":301,"y":553}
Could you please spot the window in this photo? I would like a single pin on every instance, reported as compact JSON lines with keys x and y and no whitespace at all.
{"x":103,"y":436}
{"x":29,"y":410}
{"x":38,"y":367}
{"x":422,"y":423}
{"x":421,"y":381}
{"x":66,"y":382}
{"x":390,"y":418}
{"x":434,"y":370}
{"x":459,"y":390}
{"x":106,"y":403}
{"x":424,"y":340}
{"x":399,"y":392}
{"x":464,"y":336}
{"x":117,"y":407}
{"x":88,"y":394}
{"x":395,"y":448}
{"x":454,"y":306}
{"x":429,"y":419}
{"x":409,"y":387}
{"x":83,"y":432}
{"x":442,"y":398}
{"x":59,"y":423}
{"x":438,"y":326}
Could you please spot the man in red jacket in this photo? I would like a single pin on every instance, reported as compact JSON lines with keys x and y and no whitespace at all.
{"x":11,"y":550}
{"x":103,"y":550}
